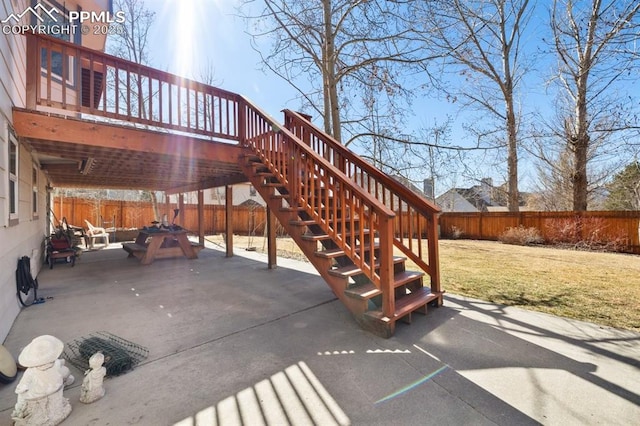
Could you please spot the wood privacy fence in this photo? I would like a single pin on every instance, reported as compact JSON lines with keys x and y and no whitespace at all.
{"x":620,"y":225}
{"x":136,"y":214}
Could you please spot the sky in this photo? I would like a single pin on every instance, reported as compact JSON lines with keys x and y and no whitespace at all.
{"x":190,"y":36}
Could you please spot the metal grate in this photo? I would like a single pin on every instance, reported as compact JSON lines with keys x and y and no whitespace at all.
{"x":120,"y":355}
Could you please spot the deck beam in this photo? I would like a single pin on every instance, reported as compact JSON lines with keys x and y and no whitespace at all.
{"x":39,"y":125}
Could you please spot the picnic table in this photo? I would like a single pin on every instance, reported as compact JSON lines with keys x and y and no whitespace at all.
{"x":161,"y":244}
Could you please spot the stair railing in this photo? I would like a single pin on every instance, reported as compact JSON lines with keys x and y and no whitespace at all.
{"x":328,"y":196}
{"x":415,"y":220}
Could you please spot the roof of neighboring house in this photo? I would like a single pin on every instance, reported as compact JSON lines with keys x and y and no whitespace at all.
{"x":251,"y":203}
{"x":484,"y":197}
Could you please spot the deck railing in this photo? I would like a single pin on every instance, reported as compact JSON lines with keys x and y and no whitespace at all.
{"x":415,"y":220}
{"x":77,"y":79}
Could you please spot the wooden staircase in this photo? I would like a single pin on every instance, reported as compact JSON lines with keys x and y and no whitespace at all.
{"x":344,"y":231}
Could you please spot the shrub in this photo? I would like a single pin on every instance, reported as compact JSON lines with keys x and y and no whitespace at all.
{"x":521,"y":236}
{"x":455,"y":233}
{"x":588,"y":233}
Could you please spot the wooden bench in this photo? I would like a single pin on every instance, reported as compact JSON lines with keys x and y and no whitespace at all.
{"x":134,"y":249}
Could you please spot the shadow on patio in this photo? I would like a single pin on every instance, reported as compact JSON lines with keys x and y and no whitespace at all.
{"x":218,"y":329}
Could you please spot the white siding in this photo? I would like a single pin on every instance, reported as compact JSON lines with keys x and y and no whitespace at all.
{"x":26,"y":237}
{"x":22,"y":239}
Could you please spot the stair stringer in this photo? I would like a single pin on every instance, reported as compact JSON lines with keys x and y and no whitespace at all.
{"x":337,"y":284}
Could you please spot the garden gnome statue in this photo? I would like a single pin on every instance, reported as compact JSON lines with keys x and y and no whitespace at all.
{"x":40,"y":400}
{"x":92,"y":389}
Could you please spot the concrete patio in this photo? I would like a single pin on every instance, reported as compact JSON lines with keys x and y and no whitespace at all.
{"x":222,"y":330}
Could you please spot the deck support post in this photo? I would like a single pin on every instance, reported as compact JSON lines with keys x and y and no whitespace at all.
{"x":432,"y":244}
{"x":228,"y":235}
{"x":271,"y":240}
{"x":201,"y":217}
{"x":181,"y":207}
{"x":33,"y":73}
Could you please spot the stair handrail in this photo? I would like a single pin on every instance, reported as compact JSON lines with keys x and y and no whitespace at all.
{"x":262,"y":133}
{"x":385,"y":187}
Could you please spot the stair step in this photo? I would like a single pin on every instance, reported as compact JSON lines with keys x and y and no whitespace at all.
{"x":300,"y":222}
{"x":338,"y":252}
{"x":310,"y":222}
{"x":272,"y":185}
{"x":265,"y":174}
{"x":363,"y":292}
{"x":351,"y":270}
{"x":292,"y":209}
{"x":411,"y":301}
{"x":408,"y":304}
{"x":311,"y":237}
{"x":406,"y":277}
{"x":322,"y":237}
{"x":252,"y":158}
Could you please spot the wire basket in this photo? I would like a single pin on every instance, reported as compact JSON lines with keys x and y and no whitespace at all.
{"x":120,"y":355}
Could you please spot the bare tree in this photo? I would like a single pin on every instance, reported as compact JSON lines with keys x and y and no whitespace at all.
{"x":482,"y":41}
{"x":330,"y":50}
{"x":555,"y":163}
{"x":596,"y":46}
{"x":132,"y":42}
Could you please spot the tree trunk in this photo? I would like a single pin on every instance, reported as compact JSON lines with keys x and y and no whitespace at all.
{"x":580,"y":140}
{"x":332,"y":122}
{"x":513,"y":200}
{"x":327,"y":53}
{"x":579,"y":176}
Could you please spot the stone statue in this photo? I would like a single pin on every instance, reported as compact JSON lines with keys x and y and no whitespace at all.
{"x":40,"y":400}
{"x":92,"y":389}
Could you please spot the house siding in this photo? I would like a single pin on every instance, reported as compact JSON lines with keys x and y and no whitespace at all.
{"x":24,"y":236}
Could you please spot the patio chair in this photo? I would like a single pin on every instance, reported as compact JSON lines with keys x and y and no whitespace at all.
{"x":94,"y":233}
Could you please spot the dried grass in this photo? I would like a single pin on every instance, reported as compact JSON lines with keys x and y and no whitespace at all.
{"x":602,"y":288}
